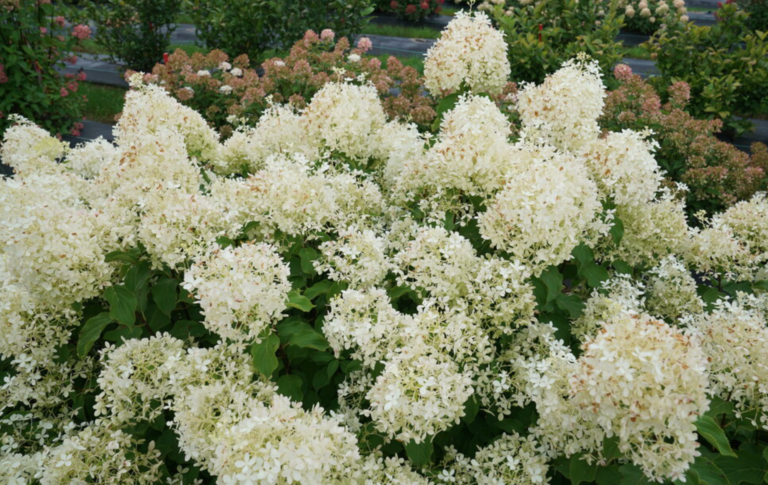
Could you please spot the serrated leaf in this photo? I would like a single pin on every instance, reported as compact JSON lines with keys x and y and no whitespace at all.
{"x":608,"y":475}
{"x":581,"y":471}
{"x":553,"y":282}
{"x":571,"y":304}
{"x":420,"y":454}
{"x":617,"y":231}
{"x":91,"y":332}
{"x":263,"y":353}
{"x":183,"y":329}
{"x":707,"y":471}
{"x":122,"y":304}
{"x":122,"y":334}
{"x":748,"y":467}
{"x":583,"y":255}
{"x":120,"y":256}
{"x":471,"y":408}
{"x":395,"y":293}
{"x":632,"y":475}
{"x":711,"y":431}
{"x":622,"y":267}
{"x":318,"y":289}
{"x":301,"y":334}
{"x":290,"y":386}
{"x":594,"y":274}
{"x":165,"y":294}
{"x":308,"y":255}
{"x":299,"y":301}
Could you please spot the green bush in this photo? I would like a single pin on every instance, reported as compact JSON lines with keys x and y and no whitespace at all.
{"x":758,"y":13}
{"x":413,"y":10}
{"x":543,"y":36}
{"x":135,"y":32}
{"x":253,"y":26}
{"x":34,"y":42}
{"x":726,"y":66}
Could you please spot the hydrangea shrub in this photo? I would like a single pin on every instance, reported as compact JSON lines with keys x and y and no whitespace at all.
{"x":333,"y":298}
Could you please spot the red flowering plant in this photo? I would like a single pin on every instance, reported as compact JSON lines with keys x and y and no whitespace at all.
{"x":717,"y":173}
{"x":34,"y":44}
{"x":231,"y":93}
{"x":413,"y":10}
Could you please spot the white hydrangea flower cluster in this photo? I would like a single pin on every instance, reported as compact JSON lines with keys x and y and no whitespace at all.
{"x":672,"y":291}
{"x":624,"y":168}
{"x":242,"y":290}
{"x":345,"y":117}
{"x":617,"y":295}
{"x":638,"y":379}
{"x":733,"y":243}
{"x":471,"y":153}
{"x":29,"y":149}
{"x":291,"y":195}
{"x":548,"y":204}
{"x":652,"y":231}
{"x":512,"y":459}
{"x":102,"y":453}
{"x":446,"y":267}
{"x":735,"y":339}
{"x":470,"y":54}
{"x":357,"y":257}
{"x":136,"y":120}
{"x":564,"y":109}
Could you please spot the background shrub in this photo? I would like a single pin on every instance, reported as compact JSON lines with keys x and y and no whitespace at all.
{"x":35,"y":42}
{"x":717,"y":173}
{"x":207,"y":83}
{"x":135,"y":32}
{"x":543,"y":36}
{"x":253,"y":26}
{"x":758,"y":13}
{"x":726,"y":66}
{"x":413,"y":10}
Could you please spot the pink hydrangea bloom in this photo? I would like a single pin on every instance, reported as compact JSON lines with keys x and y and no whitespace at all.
{"x":327,"y":34}
{"x":59,"y":21}
{"x":63,"y":92}
{"x":622,"y":72}
{"x":81,"y":32}
{"x":364,"y":44}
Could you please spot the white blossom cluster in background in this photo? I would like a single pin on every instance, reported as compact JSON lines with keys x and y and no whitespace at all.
{"x":467,"y":226}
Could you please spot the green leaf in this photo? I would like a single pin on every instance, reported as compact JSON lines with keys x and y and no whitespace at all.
{"x":718,"y":406}
{"x":594,"y":274}
{"x":303,"y":335}
{"x":617,"y":231}
{"x":157,"y":320}
{"x":138,"y":276}
{"x":581,"y":471}
{"x":471,"y":408}
{"x":263,"y":353}
{"x":164,"y":292}
{"x":749,"y":467}
{"x":318,"y":289}
{"x":611,"y":448}
{"x":707,"y":471}
{"x":622,"y":267}
{"x":183,"y":329}
{"x":420,"y":454}
{"x":308,"y":255}
{"x":297,"y":300}
{"x":395,"y":293}
{"x":571,"y":304}
{"x":122,"y":334}
{"x":91,"y":332}
{"x":710,"y":431}
{"x":290,"y":386}
{"x":583,"y":255}
{"x":553,"y":282}
{"x":633,"y":475}
{"x":122,"y":304}
{"x":120,"y":256}
{"x":609,"y":475}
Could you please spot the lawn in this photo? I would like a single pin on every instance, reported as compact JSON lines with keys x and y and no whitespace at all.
{"x":104,"y":102}
{"x":397,"y":31}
